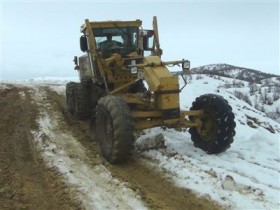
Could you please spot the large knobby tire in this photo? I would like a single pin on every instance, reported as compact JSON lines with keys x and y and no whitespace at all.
{"x":114,"y":129}
{"x":94,"y":101}
{"x":78,"y":99}
{"x":81,"y":102}
{"x":217,"y":130}
{"x":70,"y":86}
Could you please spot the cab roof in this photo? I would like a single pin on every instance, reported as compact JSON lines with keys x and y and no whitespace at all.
{"x":108,"y":24}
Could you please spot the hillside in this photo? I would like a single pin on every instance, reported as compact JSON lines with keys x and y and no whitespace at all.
{"x":258,"y":89}
{"x":237,"y":178}
{"x":240,"y":73}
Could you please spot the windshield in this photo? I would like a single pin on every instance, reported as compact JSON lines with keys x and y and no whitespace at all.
{"x":117,"y":37}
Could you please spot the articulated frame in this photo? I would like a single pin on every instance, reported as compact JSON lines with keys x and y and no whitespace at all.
{"x":148,"y":119}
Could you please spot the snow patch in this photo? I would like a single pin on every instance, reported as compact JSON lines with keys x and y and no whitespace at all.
{"x":246,"y":176}
{"x":93,"y":184}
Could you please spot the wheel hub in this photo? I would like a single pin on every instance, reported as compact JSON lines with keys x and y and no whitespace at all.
{"x":207,"y":130}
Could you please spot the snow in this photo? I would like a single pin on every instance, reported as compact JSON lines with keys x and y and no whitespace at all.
{"x":46,"y":80}
{"x":93,"y":184}
{"x":252,"y":162}
{"x":4,"y":86}
{"x":246,"y":176}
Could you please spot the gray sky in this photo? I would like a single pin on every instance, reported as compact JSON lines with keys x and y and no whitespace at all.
{"x":41,"y":38}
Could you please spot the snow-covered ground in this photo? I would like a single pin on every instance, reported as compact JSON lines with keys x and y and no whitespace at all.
{"x":246,"y":176}
{"x":93,"y":183}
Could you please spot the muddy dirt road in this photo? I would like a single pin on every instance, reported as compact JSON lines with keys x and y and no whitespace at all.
{"x":48,"y":161}
{"x":25,"y":181}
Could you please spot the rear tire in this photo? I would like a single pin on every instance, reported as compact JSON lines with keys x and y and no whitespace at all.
{"x":94,"y":101}
{"x":70,"y":86}
{"x":114,"y":129}
{"x":78,"y":100}
{"x":217,"y":130}
{"x":81,"y":102}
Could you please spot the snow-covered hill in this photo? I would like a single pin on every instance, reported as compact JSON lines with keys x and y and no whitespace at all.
{"x":260,"y":90}
{"x":231,"y":71}
{"x":246,"y":176}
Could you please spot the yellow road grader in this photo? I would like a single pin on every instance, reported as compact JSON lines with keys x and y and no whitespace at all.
{"x":125,"y":86}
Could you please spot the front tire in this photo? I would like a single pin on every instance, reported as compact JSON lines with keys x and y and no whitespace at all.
{"x":114,"y":129}
{"x":216,"y":133}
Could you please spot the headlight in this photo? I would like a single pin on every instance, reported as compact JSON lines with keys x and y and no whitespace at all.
{"x":186,"y":64}
{"x":133,"y":68}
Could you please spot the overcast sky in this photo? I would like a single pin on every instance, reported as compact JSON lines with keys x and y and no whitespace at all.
{"x":41,"y":38}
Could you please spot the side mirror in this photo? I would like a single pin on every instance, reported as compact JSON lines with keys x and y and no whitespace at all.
{"x":83,"y":43}
{"x":146,"y":43}
{"x":148,"y":40}
{"x":76,"y":63}
{"x":75,"y":60}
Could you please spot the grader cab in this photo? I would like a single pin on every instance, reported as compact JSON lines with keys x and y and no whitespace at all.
{"x":125,"y":86}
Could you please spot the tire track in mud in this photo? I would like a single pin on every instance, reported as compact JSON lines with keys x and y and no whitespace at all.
{"x":156,"y":191}
{"x":25,"y":182}
{"x":87,"y":177}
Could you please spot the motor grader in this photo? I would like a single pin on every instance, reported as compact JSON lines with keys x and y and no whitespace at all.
{"x":125,"y":87}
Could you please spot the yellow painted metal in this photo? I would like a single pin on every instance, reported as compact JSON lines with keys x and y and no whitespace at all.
{"x":163,"y":85}
{"x":189,"y":124}
{"x":152,"y":80}
{"x":104,"y":64}
{"x":154,"y":119}
{"x":196,"y":122}
{"x":208,"y":128}
{"x":192,"y":113}
{"x":168,"y":101}
{"x":108,"y":24}
{"x":143,"y":124}
{"x":152,"y":122}
{"x":122,"y":87}
{"x":156,"y":46}
{"x":145,"y":114}
{"x":135,"y":99}
{"x":116,"y":58}
{"x":171,"y":122}
{"x":92,"y":46}
{"x":159,"y":77}
{"x":158,"y":62}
